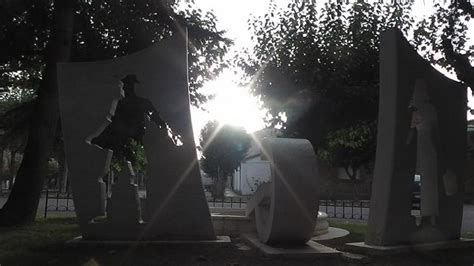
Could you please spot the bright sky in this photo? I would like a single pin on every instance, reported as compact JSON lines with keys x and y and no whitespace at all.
{"x":233,"y":104}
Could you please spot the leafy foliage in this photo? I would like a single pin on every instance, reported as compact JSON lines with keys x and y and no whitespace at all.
{"x":428,"y":36}
{"x":104,"y":30}
{"x":135,"y":153}
{"x":107,"y":29}
{"x":350,"y":147}
{"x":35,"y":35}
{"x":321,"y":71}
{"x":223,"y":147}
{"x":443,"y":39}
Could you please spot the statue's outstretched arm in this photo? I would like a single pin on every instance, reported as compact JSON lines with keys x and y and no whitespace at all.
{"x":155,"y":117}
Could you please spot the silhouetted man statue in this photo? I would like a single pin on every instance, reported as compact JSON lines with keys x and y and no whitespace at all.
{"x":129,"y":122}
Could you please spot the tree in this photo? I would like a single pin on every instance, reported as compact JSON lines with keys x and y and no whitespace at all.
{"x":35,"y":35}
{"x":104,"y":30}
{"x":320,"y":71}
{"x":350,"y":147}
{"x":442,"y":39}
{"x":22,"y":203}
{"x":223,"y":147}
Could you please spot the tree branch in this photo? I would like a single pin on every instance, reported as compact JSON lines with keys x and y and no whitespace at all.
{"x":465,"y":6}
{"x":460,"y":62}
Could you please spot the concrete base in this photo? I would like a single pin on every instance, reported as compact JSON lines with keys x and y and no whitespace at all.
{"x":332,"y":233}
{"x":361,"y":247}
{"x":232,"y":225}
{"x":78,"y":241}
{"x":233,"y":222}
{"x":310,"y":250}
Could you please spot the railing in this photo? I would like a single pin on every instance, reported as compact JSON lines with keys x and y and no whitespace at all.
{"x":230,"y":202}
{"x":345,"y":209}
{"x":58,"y":202}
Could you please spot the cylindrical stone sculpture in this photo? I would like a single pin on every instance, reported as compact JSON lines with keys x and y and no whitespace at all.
{"x":287,"y":206}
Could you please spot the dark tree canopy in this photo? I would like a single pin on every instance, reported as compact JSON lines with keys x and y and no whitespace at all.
{"x":442,"y":39}
{"x":223,"y":147}
{"x":320,"y":69}
{"x":104,"y":30}
{"x":36,"y":35}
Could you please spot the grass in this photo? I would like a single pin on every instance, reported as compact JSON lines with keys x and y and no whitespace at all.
{"x":35,"y":243}
{"x":468,"y":235}
{"x":357,"y":230}
{"x":43,"y":244}
{"x":356,"y":234}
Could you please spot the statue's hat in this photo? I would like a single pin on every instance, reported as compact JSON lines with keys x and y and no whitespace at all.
{"x":130,"y":78}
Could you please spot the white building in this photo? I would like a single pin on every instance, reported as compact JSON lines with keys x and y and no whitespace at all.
{"x":253,"y":170}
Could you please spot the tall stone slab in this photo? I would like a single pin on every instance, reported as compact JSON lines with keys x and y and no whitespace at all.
{"x":421,"y":130}
{"x":176,"y":207}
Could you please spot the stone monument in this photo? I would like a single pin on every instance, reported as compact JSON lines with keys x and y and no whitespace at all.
{"x":421,"y":130}
{"x":175,"y":207}
{"x":286,"y":208}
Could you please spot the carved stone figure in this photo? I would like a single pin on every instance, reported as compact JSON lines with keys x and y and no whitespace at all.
{"x":425,"y":121}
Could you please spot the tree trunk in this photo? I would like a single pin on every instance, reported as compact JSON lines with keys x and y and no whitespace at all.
{"x":62,"y":171}
{"x":3,"y":167}
{"x":460,"y":62}
{"x":22,"y":203}
{"x":12,"y":166}
{"x":2,"y":160}
{"x":353,"y":177}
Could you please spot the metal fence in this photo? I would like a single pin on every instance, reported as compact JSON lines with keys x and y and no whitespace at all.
{"x":345,"y":209}
{"x":56,"y":201}
{"x":229,"y":202}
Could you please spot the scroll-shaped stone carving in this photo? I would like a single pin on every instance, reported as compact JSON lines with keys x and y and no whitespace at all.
{"x":286,"y":207}
{"x":421,"y":130}
{"x":175,"y":198}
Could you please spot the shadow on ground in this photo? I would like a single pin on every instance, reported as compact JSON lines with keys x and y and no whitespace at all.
{"x":43,"y":244}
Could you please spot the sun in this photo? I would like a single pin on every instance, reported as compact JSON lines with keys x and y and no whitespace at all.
{"x":234,"y":105}
{"x":230,"y":104}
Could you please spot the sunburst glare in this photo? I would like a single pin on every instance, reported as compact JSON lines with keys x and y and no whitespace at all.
{"x":230,"y":104}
